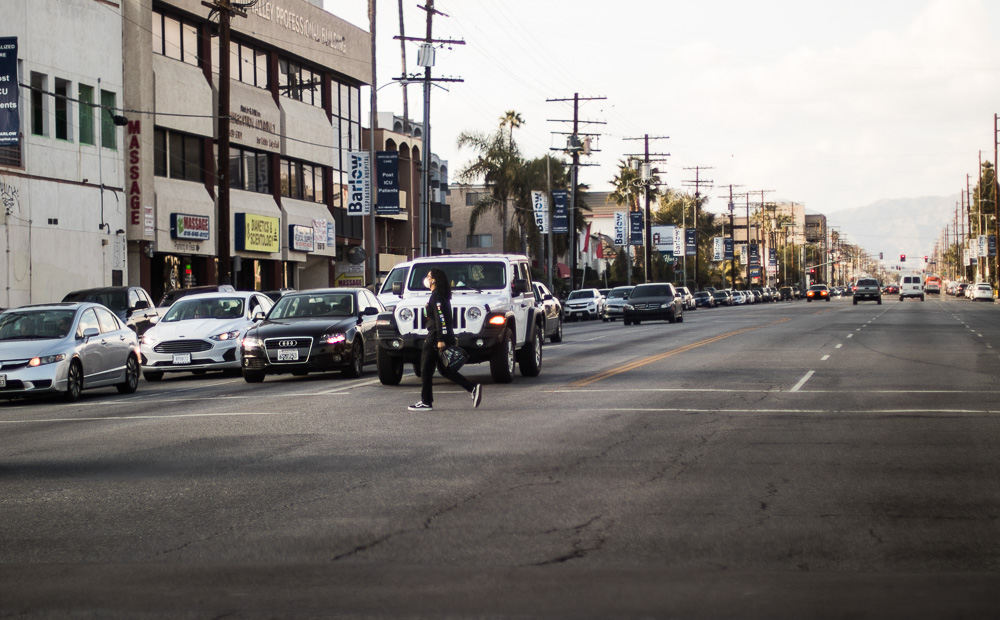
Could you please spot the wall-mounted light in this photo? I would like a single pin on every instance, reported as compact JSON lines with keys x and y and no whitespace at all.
{"x":120,"y":231}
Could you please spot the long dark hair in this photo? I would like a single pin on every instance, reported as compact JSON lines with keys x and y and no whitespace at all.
{"x":441,"y":283}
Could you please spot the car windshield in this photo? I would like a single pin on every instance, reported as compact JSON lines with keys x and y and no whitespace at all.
{"x":215,"y":308}
{"x":651,"y":290}
{"x":317,"y":305}
{"x":584,"y":294}
{"x":464,"y":275}
{"x":36,"y":324}
{"x":619,"y":293}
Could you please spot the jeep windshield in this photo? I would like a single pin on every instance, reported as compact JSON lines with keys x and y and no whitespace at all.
{"x":464,"y":276}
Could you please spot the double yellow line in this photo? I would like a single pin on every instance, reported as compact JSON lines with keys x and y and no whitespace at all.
{"x":661,"y":356}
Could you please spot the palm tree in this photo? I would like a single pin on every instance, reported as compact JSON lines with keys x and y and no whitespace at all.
{"x":513,"y":120}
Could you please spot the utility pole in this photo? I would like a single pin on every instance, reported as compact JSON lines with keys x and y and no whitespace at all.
{"x":226,"y":9}
{"x":575,"y":147}
{"x":697,"y":183}
{"x":425,"y":58}
{"x":760,"y":258}
{"x":646,"y":174}
{"x":732,"y":238}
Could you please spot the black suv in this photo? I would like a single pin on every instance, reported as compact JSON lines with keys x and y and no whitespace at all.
{"x":132,"y":304}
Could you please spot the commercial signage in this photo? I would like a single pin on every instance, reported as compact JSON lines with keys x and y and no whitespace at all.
{"x":300,"y":238}
{"x":560,"y":216}
{"x":540,"y":205}
{"x":754,"y":255}
{"x":727,"y":245}
{"x":992,"y":243}
{"x":691,"y":241}
{"x":196,"y":227}
{"x":10,"y":123}
{"x":255,"y":127}
{"x":984,"y":245}
{"x":663,"y":238}
{"x":387,"y":175}
{"x":257,"y":233}
{"x":678,"y":248}
{"x":323,"y":236}
{"x":148,"y":222}
{"x":359,"y":184}
{"x":619,"y":228}
{"x":635,"y":227}
{"x":133,"y":134}
{"x":717,"y":249}
{"x":772,"y":257}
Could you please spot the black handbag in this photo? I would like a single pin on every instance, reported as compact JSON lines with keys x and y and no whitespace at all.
{"x":454,"y":357}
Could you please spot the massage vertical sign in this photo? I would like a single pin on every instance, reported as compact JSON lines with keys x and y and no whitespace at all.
{"x":359,"y":184}
{"x":10,"y":123}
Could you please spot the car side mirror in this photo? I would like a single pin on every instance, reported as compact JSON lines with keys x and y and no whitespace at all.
{"x":90,"y":332}
{"x":258,"y":316}
{"x":397,"y":289}
{"x":548,"y":297}
{"x":518,"y":286}
{"x":369,"y":311}
{"x":141,"y":305}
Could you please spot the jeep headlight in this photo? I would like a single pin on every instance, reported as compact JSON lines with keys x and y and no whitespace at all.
{"x":406,"y":315}
{"x":475,"y":313}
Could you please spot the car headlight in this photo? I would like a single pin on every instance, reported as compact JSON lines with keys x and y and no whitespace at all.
{"x":628,"y":307}
{"x":252,"y":343}
{"x":475,"y":313}
{"x":149,"y":340}
{"x":47,"y":359}
{"x":334,"y":338}
{"x":230,"y":335}
{"x":665,"y":305}
{"x":406,"y":315}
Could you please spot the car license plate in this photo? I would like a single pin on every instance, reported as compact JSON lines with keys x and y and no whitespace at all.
{"x":3,"y":381}
{"x":182,"y":358}
{"x":288,"y":355}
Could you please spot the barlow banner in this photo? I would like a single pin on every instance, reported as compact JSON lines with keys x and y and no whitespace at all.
{"x":359,"y":184}
{"x":540,"y":203}
{"x":619,"y":228}
{"x":635,"y":227}
{"x":387,"y":173}
{"x":560,"y":217}
{"x":728,"y":245}
{"x":678,"y":241}
{"x":718,"y":250}
{"x":10,"y":122}
{"x":691,"y":241}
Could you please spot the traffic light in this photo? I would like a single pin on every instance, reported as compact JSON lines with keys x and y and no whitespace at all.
{"x":902,"y":258}
{"x":925,"y":259}
{"x":812,"y":271}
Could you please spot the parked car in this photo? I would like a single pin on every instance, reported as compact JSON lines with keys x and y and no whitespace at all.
{"x":276,"y":294}
{"x":170,"y":297}
{"x":64,"y":348}
{"x":983,"y":292}
{"x":614,"y":302}
{"x":723,"y":297}
{"x":552,"y":309}
{"x":585,"y":303}
{"x":785,"y":293}
{"x":704,"y":299}
{"x":960,"y":289}
{"x":653,"y":301}
{"x":313,"y":331}
{"x":818,"y":291}
{"x":687,"y":299}
{"x":201,"y":333}
{"x":131,"y":304}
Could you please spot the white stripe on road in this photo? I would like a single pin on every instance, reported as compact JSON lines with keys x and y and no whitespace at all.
{"x":802,"y":381}
{"x":824,"y":358}
{"x":838,"y":346}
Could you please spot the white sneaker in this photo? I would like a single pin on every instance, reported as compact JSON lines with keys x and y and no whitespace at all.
{"x":420,"y":406}
{"x":477,"y":395}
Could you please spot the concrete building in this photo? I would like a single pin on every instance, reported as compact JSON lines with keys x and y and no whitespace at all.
{"x":296,"y":74}
{"x":65,"y":210}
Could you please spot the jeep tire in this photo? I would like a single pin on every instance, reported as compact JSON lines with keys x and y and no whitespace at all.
{"x":530,"y":355}
{"x":502,"y":359}
{"x":390,"y":368}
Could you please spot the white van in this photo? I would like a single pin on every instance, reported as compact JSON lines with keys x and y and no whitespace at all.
{"x":911,"y":286}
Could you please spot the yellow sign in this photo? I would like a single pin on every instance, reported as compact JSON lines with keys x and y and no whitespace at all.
{"x":257,"y":233}
{"x":351,"y":280}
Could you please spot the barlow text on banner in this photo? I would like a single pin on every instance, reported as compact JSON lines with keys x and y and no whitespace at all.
{"x":540,"y":202}
{"x":359,"y":184}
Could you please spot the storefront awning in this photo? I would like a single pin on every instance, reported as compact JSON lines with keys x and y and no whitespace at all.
{"x":562,"y":270}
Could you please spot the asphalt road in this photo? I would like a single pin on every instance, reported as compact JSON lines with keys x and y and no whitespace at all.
{"x":797,"y":460}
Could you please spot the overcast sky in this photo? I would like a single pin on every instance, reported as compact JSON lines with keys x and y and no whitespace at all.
{"x":831,"y":104}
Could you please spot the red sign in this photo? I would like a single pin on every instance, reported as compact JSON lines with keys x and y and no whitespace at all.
{"x":134,"y":151}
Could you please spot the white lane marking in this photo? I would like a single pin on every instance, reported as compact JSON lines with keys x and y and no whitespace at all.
{"x":824,"y":358}
{"x":802,"y":381}
{"x":850,"y":335}
{"x":152,"y":417}
{"x":776,"y":391}
{"x":838,"y":346}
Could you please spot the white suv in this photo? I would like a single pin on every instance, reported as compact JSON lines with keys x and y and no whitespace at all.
{"x":911,"y":286}
{"x":586,"y":303}
{"x":494,"y":314}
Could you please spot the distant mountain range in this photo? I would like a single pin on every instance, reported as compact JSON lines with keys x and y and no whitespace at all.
{"x":909,"y":226}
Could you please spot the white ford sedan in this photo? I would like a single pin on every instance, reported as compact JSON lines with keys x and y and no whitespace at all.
{"x":201,"y":333}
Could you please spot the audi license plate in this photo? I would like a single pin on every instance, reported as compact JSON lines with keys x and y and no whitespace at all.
{"x":182,"y":358}
{"x":288,"y":355}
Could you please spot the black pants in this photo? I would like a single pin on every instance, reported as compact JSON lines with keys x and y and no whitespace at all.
{"x":429,"y":360}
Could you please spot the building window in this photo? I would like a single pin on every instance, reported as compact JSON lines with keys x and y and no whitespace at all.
{"x":39,"y":84}
{"x":301,"y":181}
{"x":471,"y":199}
{"x":300,"y":83}
{"x":250,"y":170}
{"x":479,"y":241}
{"x":62,"y":109}
{"x":109,"y":136}
{"x":175,"y":38}
{"x":86,"y":114}
{"x":178,"y":156}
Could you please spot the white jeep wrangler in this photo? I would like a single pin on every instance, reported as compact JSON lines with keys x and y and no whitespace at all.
{"x":494,"y":315}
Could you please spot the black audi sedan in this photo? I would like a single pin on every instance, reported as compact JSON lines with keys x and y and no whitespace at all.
{"x":654,"y":301}
{"x":313,"y":331}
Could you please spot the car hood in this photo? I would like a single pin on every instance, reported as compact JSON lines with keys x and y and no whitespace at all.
{"x":650,"y":300}
{"x":303,"y":327}
{"x":26,"y":349}
{"x":195,"y":328}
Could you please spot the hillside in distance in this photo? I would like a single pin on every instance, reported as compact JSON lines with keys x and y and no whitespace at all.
{"x":895,"y":226}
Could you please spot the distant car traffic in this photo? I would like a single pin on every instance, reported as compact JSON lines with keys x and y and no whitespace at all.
{"x":64,"y":348}
{"x":615,"y":301}
{"x":704,"y":299}
{"x":552,"y":309}
{"x":585,"y":303}
{"x":171,"y":296}
{"x":654,"y":301}
{"x":313,"y":331}
{"x":817,"y":292}
{"x":131,"y":304}
{"x":201,"y":333}
{"x":983,"y":292}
